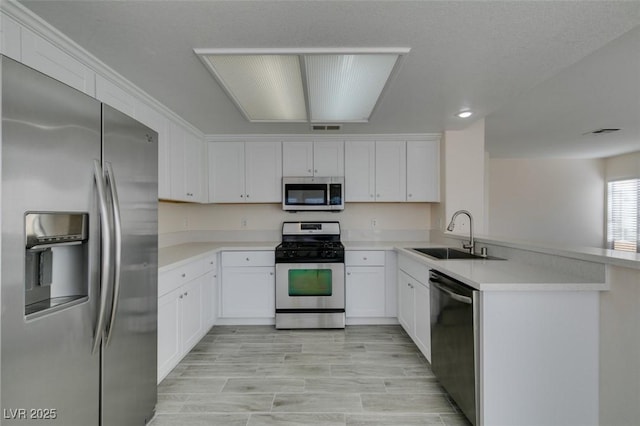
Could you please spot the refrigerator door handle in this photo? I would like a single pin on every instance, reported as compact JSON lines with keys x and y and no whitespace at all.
{"x":105,"y":269}
{"x":117,"y":228}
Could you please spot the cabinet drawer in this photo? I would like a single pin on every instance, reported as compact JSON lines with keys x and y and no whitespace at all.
{"x":248,"y":258}
{"x":364,"y":258}
{"x":174,"y":278}
{"x":417,"y":270}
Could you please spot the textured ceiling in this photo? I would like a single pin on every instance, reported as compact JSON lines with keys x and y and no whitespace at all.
{"x":489,"y":56}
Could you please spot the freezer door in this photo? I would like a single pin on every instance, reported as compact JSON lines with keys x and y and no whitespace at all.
{"x":129,"y":351}
{"x":50,"y":137}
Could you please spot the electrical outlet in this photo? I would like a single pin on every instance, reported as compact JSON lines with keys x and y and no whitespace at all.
{"x":243,"y":222}
{"x":374,"y":223}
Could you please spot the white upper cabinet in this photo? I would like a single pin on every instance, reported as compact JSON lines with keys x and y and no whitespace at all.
{"x":156,"y":121}
{"x":328,"y":158}
{"x":115,"y":96}
{"x":391,"y":173}
{"x":226,"y":172}
{"x":313,"y":158}
{"x":392,"y":170}
{"x":242,"y":172}
{"x":360,"y":170}
{"x":297,"y":158}
{"x":186,"y":165}
{"x":43,"y":56}
{"x":423,"y":170}
{"x":263,"y":172}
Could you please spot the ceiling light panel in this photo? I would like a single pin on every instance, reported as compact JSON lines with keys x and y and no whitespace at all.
{"x":346,"y":88}
{"x":264,"y":87}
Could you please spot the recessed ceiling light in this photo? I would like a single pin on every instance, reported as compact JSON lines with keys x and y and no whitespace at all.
{"x":464,"y":114}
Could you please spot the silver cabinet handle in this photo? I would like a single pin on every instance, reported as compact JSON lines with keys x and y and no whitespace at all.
{"x":410,"y":195}
{"x":186,"y":293}
{"x":364,"y":258}
{"x":270,"y":273}
{"x":105,"y":274}
{"x":117,"y":230}
{"x":247,"y":195}
{"x":248,"y":259}
{"x":181,"y":296}
{"x":184,"y":275}
{"x":348,"y":273}
{"x":309,"y":170}
{"x":315,"y":171}
{"x":241,"y":196}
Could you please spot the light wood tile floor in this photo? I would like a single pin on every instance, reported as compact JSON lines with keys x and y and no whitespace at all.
{"x":257,"y":375}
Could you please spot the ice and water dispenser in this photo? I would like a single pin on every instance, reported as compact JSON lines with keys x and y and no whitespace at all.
{"x":56,"y":260}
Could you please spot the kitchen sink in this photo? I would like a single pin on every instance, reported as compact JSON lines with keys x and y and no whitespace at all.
{"x":448,"y":253}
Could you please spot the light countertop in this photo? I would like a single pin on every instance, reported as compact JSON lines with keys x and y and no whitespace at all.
{"x":485,"y":275}
{"x":505,"y":275}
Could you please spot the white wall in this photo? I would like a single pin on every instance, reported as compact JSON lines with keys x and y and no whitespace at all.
{"x":625,"y":166}
{"x":463,"y":177}
{"x":548,"y":200}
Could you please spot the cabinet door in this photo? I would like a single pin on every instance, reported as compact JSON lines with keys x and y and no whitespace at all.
{"x":263,"y":172}
{"x":297,"y":158}
{"x":178,"y":162}
{"x":406,"y":307}
{"x":115,"y":96}
{"x":226,"y":172}
{"x":192,"y":321}
{"x":248,"y":292}
{"x":423,"y":319}
{"x":169,"y":325}
{"x":40,"y":54}
{"x":194,"y":165}
{"x":423,"y":171}
{"x":391,"y":174}
{"x":360,"y":170}
{"x":328,"y":158}
{"x":207,"y":300}
{"x":156,"y":121}
{"x":365,"y":291}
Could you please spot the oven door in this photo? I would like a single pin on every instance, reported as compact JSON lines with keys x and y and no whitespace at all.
{"x":310,"y":286}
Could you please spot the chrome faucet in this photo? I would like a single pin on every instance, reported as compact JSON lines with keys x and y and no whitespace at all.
{"x":471,"y":244}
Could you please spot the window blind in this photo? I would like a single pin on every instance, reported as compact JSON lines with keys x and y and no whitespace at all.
{"x":623,"y":215}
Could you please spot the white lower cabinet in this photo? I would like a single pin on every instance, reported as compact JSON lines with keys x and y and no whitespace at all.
{"x":365,"y":291}
{"x":187,"y":307}
{"x":365,"y":284}
{"x":248,"y":286}
{"x":414,"y":306}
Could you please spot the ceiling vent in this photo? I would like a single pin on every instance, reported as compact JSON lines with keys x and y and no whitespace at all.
{"x":600,"y":131}
{"x":325,"y":127}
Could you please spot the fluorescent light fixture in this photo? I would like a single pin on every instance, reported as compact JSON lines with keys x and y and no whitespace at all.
{"x":464,"y":114}
{"x":346,"y":87}
{"x":264,"y":87}
{"x":300,"y":85}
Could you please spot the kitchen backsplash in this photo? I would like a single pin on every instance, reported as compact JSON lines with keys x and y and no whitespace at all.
{"x":180,"y":223}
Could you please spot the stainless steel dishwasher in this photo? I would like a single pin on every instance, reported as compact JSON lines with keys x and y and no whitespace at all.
{"x":454,"y":341}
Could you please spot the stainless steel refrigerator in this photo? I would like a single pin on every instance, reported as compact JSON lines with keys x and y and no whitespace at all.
{"x":78,"y":260}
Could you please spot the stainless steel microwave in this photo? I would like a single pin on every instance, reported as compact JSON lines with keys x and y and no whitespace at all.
{"x":313,"y":193}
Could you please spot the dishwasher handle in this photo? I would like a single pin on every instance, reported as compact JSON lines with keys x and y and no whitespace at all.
{"x":436,"y":281}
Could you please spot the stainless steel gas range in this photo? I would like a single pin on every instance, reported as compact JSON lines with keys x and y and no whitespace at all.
{"x":310,"y":276}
